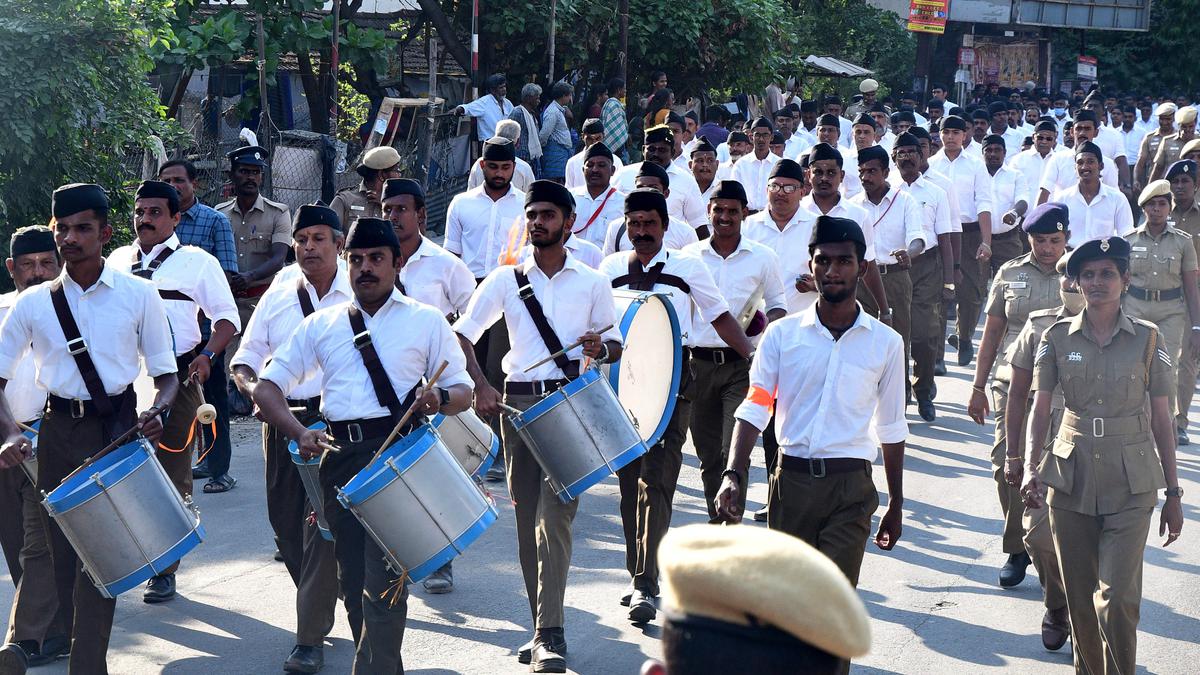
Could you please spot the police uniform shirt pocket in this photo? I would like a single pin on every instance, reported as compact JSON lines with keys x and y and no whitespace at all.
{"x":1130,"y":381}
{"x":1143,"y":471}
{"x":259,"y":243}
{"x":1057,"y":468}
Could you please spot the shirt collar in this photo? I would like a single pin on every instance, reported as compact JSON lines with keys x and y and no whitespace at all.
{"x":743,"y":245}
{"x":396,"y":297}
{"x":1079,"y":323}
{"x":341,"y":283}
{"x":808,"y":318}
{"x":108,"y":277}
{"x":424,"y":249}
{"x":571,"y":263}
{"x":171,"y":242}
{"x":660,"y":257}
{"x":258,"y":205}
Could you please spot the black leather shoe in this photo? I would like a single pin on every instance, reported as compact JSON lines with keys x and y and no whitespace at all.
{"x":925,"y":410}
{"x":201,"y":471}
{"x":305,"y":659}
{"x":52,"y":649}
{"x":1056,"y":628}
{"x":549,"y":652}
{"x":939,"y":368}
{"x":966,"y":352}
{"x":159,"y":589}
{"x":13,"y":660}
{"x":952,"y":340}
{"x":627,"y":595}
{"x":495,"y":474}
{"x":641,"y":607}
{"x":1013,"y":571}
{"x":1181,"y":437}
{"x":525,"y":653}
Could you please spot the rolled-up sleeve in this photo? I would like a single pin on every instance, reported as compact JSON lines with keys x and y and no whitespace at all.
{"x":460,"y":285}
{"x":154,"y":336}
{"x":214,"y":297}
{"x":445,"y":347}
{"x":890,"y":423}
{"x":755,"y":409}
{"x":486,"y":306}
{"x":15,"y":338}
{"x":454,"y":230}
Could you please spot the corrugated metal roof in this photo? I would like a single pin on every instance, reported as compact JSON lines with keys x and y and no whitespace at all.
{"x":836,"y":67}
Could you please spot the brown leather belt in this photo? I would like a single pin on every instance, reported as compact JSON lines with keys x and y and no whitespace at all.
{"x":1156,"y":296}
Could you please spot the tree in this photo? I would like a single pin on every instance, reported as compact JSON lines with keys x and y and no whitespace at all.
{"x":74,"y":98}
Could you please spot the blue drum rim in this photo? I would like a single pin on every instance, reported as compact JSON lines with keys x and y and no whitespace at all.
{"x":574,"y":490}
{"x":294,"y":450}
{"x":372,"y":478}
{"x":168,"y":558}
{"x":548,"y":403}
{"x":488,"y":461}
{"x":81,"y":488}
{"x":614,"y":372}
{"x":31,"y":434}
{"x":460,"y":543}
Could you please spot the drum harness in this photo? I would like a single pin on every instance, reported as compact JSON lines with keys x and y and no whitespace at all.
{"x":569,"y":367}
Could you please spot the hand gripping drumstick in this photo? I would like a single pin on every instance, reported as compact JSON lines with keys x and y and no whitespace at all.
{"x":566,"y":349}
{"x":412,"y":409}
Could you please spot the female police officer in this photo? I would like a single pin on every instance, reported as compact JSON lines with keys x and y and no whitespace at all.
{"x":1025,"y":284}
{"x":1100,"y":476}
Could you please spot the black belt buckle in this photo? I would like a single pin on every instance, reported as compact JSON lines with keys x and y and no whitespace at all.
{"x":813,"y":470}
{"x":718,"y":357}
{"x":354,"y":432}
{"x":78,"y":409}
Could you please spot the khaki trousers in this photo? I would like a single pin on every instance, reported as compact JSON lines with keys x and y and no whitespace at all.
{"x":1039,"y":542}
{"x":1101,"y":560}
{"x":309,"y":558}
{"x":1011,"y":503}
{"x":34,"y":614}
{"x":898,"y":286}
{"x":926,"y":324}
{"x":174,"y":450}
{"x":543,"y":525}
{"x":832,"y":514}
{"x":1187,"y":372}
{"x":717,"y":391}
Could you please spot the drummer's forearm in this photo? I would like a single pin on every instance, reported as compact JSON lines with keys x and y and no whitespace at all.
{"x":473,"y":368}
{"x":245,"y":379}
{"x":166,"y":386}
{"x":8,"y":425}
{"x":731,"y":332}
{"x":745,"y":435}
{"x":614,"y":350}
{"x":222,"y":332}
{"x":460,"y":399}
{"x":274,"y":408}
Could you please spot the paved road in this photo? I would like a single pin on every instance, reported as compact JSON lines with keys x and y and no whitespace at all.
{"x":934,"y":602}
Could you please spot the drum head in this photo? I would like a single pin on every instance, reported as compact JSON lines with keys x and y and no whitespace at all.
{"x":646,"y":378}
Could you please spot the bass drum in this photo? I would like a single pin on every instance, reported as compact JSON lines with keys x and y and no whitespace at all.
{"x":646,"y":378}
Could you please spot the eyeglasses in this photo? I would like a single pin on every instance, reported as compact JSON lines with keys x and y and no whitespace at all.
{"x":785,"y":189}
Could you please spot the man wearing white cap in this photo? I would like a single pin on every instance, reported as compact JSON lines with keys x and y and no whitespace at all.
{"x":868,"y":88}
{"x":378,"y":165}
{"x":1170,"y":150}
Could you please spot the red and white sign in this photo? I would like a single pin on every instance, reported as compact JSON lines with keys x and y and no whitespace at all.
{"x":966,"y":56}
{"x":1086,"y":67}
{"x":928,"y":16}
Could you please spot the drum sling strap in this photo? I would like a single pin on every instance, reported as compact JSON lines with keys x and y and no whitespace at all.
{"x":148,"y":274}
{"x":525,"y":292}
{"x":639,"y":280}
{"x":379,"y":378}
{"x":306,"y":304}
{"x":78,"y":348}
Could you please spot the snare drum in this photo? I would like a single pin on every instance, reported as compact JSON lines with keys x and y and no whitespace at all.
{"x":31,"y":465}
{"x":418,"y":504}
{"x":124,"y":518}
{"x":579,"y":434}
{"x":309,"y":470}
{"x":470,"y":440}
{"x":646,"y":378}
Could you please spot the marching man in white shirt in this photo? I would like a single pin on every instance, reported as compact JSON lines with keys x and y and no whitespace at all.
{"x":1032,"y":162}
{"x":591,"y":133}
{"x":1097,"y":210}
{"x":747,"y":274}
{"x":317,"y":240}
{"x":597,"y":202}
{"x":648,"y":484}
{"x":1009,"y":195}
{"x":549,"y":300}
{"x":659,"y":149}
{"x":679,"y":233}
{"x":753,"y":169}
{"x":188,"y":278}
{"x":370,"y":355}
{"x":828,"y":372}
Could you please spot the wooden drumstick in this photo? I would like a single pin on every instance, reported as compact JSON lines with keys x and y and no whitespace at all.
{"x":328,"y":446}
{"x":412,"y":409}
{"x":566,"y":349}
{"x":26,"y":427}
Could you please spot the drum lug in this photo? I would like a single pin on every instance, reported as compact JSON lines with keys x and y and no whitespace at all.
{"x":191,"y":505}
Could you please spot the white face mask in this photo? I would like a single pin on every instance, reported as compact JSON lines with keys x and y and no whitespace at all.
{"x":1072,"y":302}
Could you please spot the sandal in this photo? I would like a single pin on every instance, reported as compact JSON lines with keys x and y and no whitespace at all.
{"x":223,"y":483}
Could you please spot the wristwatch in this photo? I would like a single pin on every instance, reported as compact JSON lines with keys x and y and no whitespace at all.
{"x":209,"y":353}
{"x":443,"y":397}
{"x":889,"y":313}
{"x":737,"y":477}
{"x":603,"y":358}
{"x":1174,"y":492}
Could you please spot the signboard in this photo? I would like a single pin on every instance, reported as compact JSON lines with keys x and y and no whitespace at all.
{"x":966,"y":56}
{"x":928,"y":16}
{"x":1080,"y":14}
{"x":1086,"y":67}
{"x":1004,"y":62}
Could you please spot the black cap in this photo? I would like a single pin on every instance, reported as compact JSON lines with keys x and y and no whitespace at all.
{"x":997,"y":107}
{"x":907,"y":139}
{"x":762,"y":122}
{"x":994,"y":139}
{"x":702,"y":145}
{"x":1090,"y":148}
{"x":1046,"y":125}
{"x":786,"y":168}
{"x":824,"y":151}
{"x":1184,"y":167}
{"x":778,"y":139}
{"x":597,"y":149}
{"x":878,"y":108}
{"x":904,"y":116}
{"x":653,"y":170}
{"x":1097,"y":249}
{"x":729,"y":189}
{"x":254,"y":155}
{"x":1047,"y":218}
{"x":809,"y":106}
{"x":394,"y":187}
{"x":75,"y":197}
{"x":954,"y":122}
{"x":738,"y":136}
{"x":592,"y":126}
{"x":693,"y":116}
{"x":935,"y":103}
{"x":832,"y":229}
{"x":659,"y":134}
{"x":157,"y":189}
{"x":980,"y":114}
{"x":549,"y":191}
{"x":864,"y":118}
{"x":372,"y":233}
{"x":1086,"y":115}
{"x":829,"y":120}
{"x":873,"y":152}
{"x":317,"y":213}
{"x":32,"y":239}
{"x":646,"y":199}
{"x":499,"y":149}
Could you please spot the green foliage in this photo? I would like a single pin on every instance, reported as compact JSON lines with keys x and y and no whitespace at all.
{"x":353,"y":107}
{"x":74,"y":99}
{"x":854,"y":31}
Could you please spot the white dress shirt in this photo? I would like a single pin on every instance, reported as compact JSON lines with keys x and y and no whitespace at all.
{"x":478,"y":229}
{"x":704,"y":296}
{"x":1013,"y":138}
{"x":25,"y":398}
{"x":1108,"y":214}
{"x":684,"y":201}
{"x":846,"y":137}
{"x":750,"y":266}
{"x":851,"y":183}
{"x":971,"y":182}
{"x":1060,"y":172}
{"x":798,"y":144}
{"x":679,"y":234}
{"x":487,"y":111}
{"x":521,"y":178}
{"x":1008,"y":187}
{"x":437,"y":277}
{"x":1111,"y":143}
{"x":574,"y":177}
{"x":791,"y":246}
{"x":411,"y":338}
{"x":581,"y":249}
{"x":275,"y":320}
{"x":826,"y":391}
{"x":193,"y":272}
{"x":592,"y":216}
{"x":934,"y":207}
{"x":681,"y":162}
{"x":1032,"y":166}
{"x":119,"y":317}
{"x":1133,"y":142}
{"x":752,"y":173}
{"x":895,"y":222}
{"x":577,"y":299}
{"x":845,"y":209}
{"x":940,"y":180}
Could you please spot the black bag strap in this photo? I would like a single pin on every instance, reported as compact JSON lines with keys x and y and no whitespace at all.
{"x":379,"y":379}
{"x":148,"y":273}
{"x":639,"y":280}
{"x":525,"y":292}
{"x":78,"y":348}
{"x":306,"y":304}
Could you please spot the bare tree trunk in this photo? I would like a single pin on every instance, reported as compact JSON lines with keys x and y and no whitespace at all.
{"x":315,"y":93}
{"x":445,"y":31}
{"x":178,"y":91}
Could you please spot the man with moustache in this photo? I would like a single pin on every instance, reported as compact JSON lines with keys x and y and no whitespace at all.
{"x":370,"y":355}
{"x":679,"y":234}
{"x":591,"y":133}
{"x":115,"y":320}
{"x":1150,"y":142}
{"x":1097,"y":210}
{"x":705,"y":168}
{"x":36,"y":624}
{"x":1032,"y":163}
{"x":648,"y":484}
{"x":189,"y":280}
{"x":597,"y":202}
{"x":742,"y":269}
{"x":1008,"y":200}
{"x":317,"y":240}
{"x":547,"y":300}
{"x":659,"y":149}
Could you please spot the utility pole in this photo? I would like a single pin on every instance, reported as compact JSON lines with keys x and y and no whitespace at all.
{"x":425,"y":152}
{"x":550,"y":72}
{"x":264,"y":106}
{"x":623,"y":54}
{"x":333,"y":68}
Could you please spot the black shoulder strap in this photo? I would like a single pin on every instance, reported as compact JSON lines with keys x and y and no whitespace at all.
{"x":306,"y":304}
{"x":639,"y":280}
{"x":78,"y":348}
{"x":379,"y":379}
{"x":525,"y":292}
{"x":148,"y":273}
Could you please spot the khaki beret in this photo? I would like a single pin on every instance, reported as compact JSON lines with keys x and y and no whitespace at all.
{"x":867,"y":86}
{"x":1158,"y":188}
{"x":1189,"y":147}
{"x":1166,"y":108}
{"x":732,"y":573}
{"x":383,"y":157}
{"x":1185,"y":115}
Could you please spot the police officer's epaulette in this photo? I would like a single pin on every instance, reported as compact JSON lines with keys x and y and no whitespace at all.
{"x":1039,"y":313}
{"x":352,"y":188}
{"x":1149,"y":325}
{"x":1183,"y":233}
{"x":278,"y":205}
{"x":1015,"y":262}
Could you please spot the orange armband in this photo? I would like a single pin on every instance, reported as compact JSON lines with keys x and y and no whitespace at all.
{"x":760,"y":396}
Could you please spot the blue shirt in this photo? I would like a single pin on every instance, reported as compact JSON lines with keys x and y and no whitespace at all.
{"x":209,"y":229}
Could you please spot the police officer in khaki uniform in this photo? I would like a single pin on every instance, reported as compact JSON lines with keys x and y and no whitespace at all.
{"x":1171,"y":147}
{"x":1056,"y":626}
{"x":1022,"y":285}
{"x":378,"y":165}
{"x":1185,"y":216}
{"x":1162,"y":278}
{"x":1150,"y":143}
{"x":1101,"y":476}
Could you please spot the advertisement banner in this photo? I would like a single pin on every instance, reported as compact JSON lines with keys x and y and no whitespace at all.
{"x":928,"y":16}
